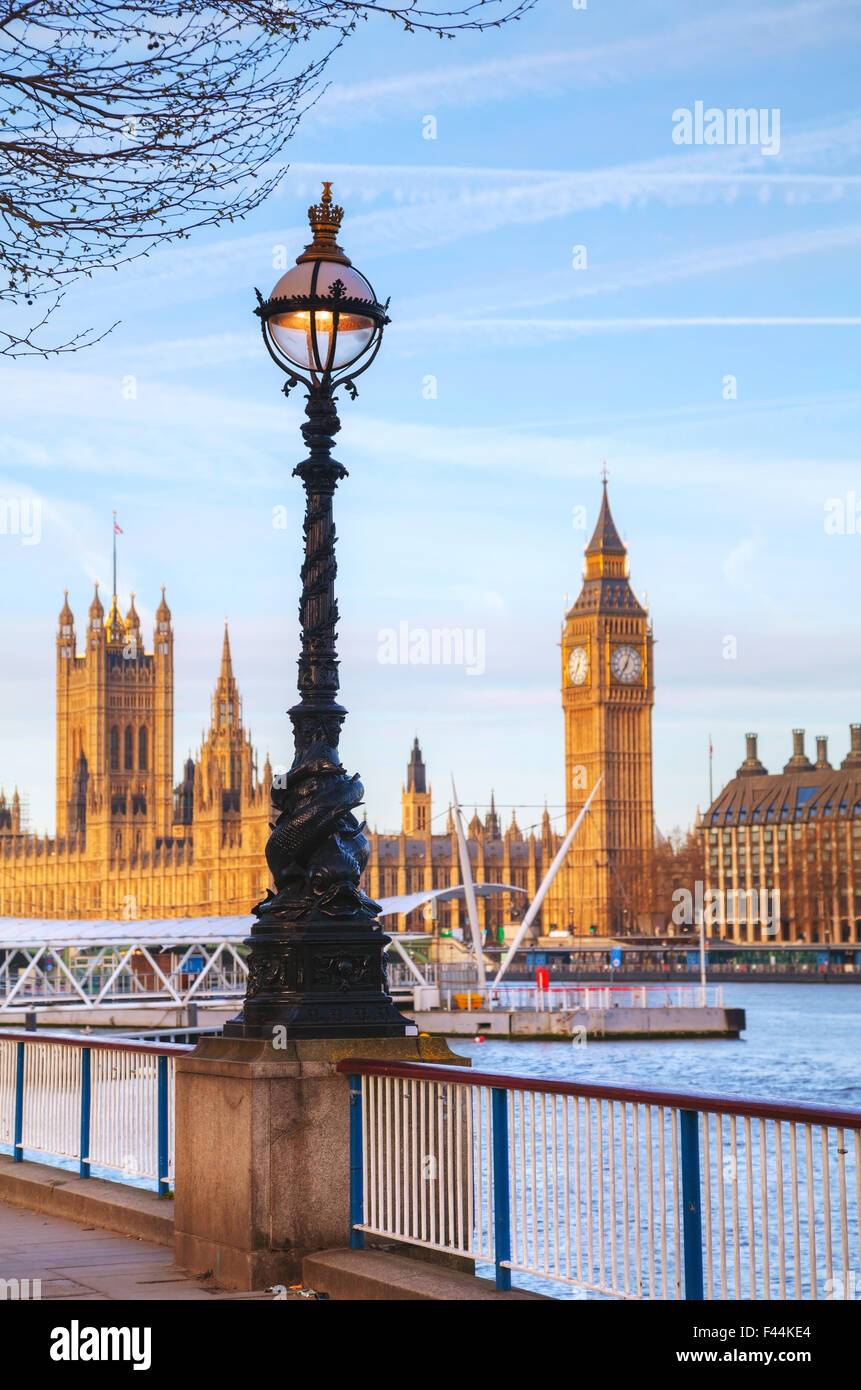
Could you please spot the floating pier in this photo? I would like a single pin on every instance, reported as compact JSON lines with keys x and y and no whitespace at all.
{"x":576,"y":1013}
{"x":580,"y":1026}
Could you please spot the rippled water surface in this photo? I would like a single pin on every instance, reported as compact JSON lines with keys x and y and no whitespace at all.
{"x":802,"y":1042}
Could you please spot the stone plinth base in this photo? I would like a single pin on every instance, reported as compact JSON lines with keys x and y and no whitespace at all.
{"x":262,"y":1174}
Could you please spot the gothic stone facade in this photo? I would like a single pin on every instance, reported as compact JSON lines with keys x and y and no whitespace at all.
{"x":418,"y":859}
{"x":129,"y":843}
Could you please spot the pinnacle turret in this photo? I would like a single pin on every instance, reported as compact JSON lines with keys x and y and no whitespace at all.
{"x":96,"y":609}
{"x":491,"y":821}
{"x":226,"y":699}
{"x":606,"y":588}
{"x":416,"y":775}
{"x":115,"y":625}
{"x":605,"y":538}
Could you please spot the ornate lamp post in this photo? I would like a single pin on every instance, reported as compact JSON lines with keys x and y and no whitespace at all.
{"x":316,"y":966}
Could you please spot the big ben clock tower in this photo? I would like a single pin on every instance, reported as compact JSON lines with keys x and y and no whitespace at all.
{"x":607,"y":698}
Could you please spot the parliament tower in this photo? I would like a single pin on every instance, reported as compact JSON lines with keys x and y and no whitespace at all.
{"x":607,"y":697}
{"x":129,"y":844}
{"x":114,"y":730}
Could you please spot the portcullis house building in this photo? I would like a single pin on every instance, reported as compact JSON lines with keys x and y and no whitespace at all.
{"x":796,"y":834}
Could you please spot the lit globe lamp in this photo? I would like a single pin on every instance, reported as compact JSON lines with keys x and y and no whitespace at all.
{"x":323,"y":317}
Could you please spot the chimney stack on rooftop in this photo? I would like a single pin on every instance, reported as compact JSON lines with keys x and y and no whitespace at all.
{"x":751,"y":766}
{"x":853,"y":757}
{"x":799,"y":762}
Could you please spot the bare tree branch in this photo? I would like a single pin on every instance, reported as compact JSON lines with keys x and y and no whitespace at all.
{"x":124,"y":126}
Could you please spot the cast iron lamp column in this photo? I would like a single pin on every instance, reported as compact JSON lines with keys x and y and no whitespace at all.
{"x":317,"y":966}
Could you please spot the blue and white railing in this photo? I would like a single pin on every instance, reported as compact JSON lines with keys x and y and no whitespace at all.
{"x":608,"y":1190}
{"x":601,"y":1190}
{"x":99,"y":1105}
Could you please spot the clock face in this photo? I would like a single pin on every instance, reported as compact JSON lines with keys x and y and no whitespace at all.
{"x":626,"y":664}
{"x":578,"y":665}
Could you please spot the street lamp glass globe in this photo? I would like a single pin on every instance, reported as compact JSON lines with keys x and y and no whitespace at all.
{"x":341,"y":337}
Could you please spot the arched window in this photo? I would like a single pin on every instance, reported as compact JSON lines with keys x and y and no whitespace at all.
{"x":115,"y":749}
{"x":128,"y":749}
{"x":142,"y":748}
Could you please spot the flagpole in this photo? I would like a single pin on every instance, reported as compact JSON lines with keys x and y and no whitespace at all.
{"x":711,"y":755}
{"x":115,"y":554}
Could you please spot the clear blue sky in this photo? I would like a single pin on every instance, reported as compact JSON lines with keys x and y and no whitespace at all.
{"x":458,"y":511}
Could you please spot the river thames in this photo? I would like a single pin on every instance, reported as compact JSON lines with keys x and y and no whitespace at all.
{"x":801,"y":1043}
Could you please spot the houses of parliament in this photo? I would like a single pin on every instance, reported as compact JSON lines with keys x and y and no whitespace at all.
{"x":132,"y":843}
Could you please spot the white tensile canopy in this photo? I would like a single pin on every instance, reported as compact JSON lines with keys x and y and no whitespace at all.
{"x":22,"y":932}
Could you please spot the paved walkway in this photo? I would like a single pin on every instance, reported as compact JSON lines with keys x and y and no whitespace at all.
{"x":83,"y":1262}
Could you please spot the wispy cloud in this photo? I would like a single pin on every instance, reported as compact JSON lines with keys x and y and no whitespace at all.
{"x":688,"y":47}
{"x":171,"y":355}
{"x":704,"y":261}
{"x":193,"y":438}
{"x":166,"y":356}
{"x":426,"y":208}
{"x":738,"y":564}
{"x":524,"y":332}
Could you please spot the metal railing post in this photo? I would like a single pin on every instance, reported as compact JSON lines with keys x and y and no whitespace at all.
{"x":357,"y":1174}
{"x":692,"y":1223}
{"x":86,"y":1092}
{"x":18,"y":1137}
{"x":501,"y":1195}
{"x":162,"y":1123}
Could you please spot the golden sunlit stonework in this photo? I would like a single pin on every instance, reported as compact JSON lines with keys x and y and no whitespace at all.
{"x":132,"y":844}
{"x":420,"y":859}
{"x":129,"y":844}
{"x":607,"y":696}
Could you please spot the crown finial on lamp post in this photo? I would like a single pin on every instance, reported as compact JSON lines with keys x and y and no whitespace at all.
{"x":325,"y":218}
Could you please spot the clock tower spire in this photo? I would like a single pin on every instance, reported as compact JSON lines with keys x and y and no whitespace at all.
{"x":607,"y":698}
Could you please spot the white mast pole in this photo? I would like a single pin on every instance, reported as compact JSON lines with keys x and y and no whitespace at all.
{"x":532,"y":910}
{"x":407,"y":959}
{"x":469,"y":890}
